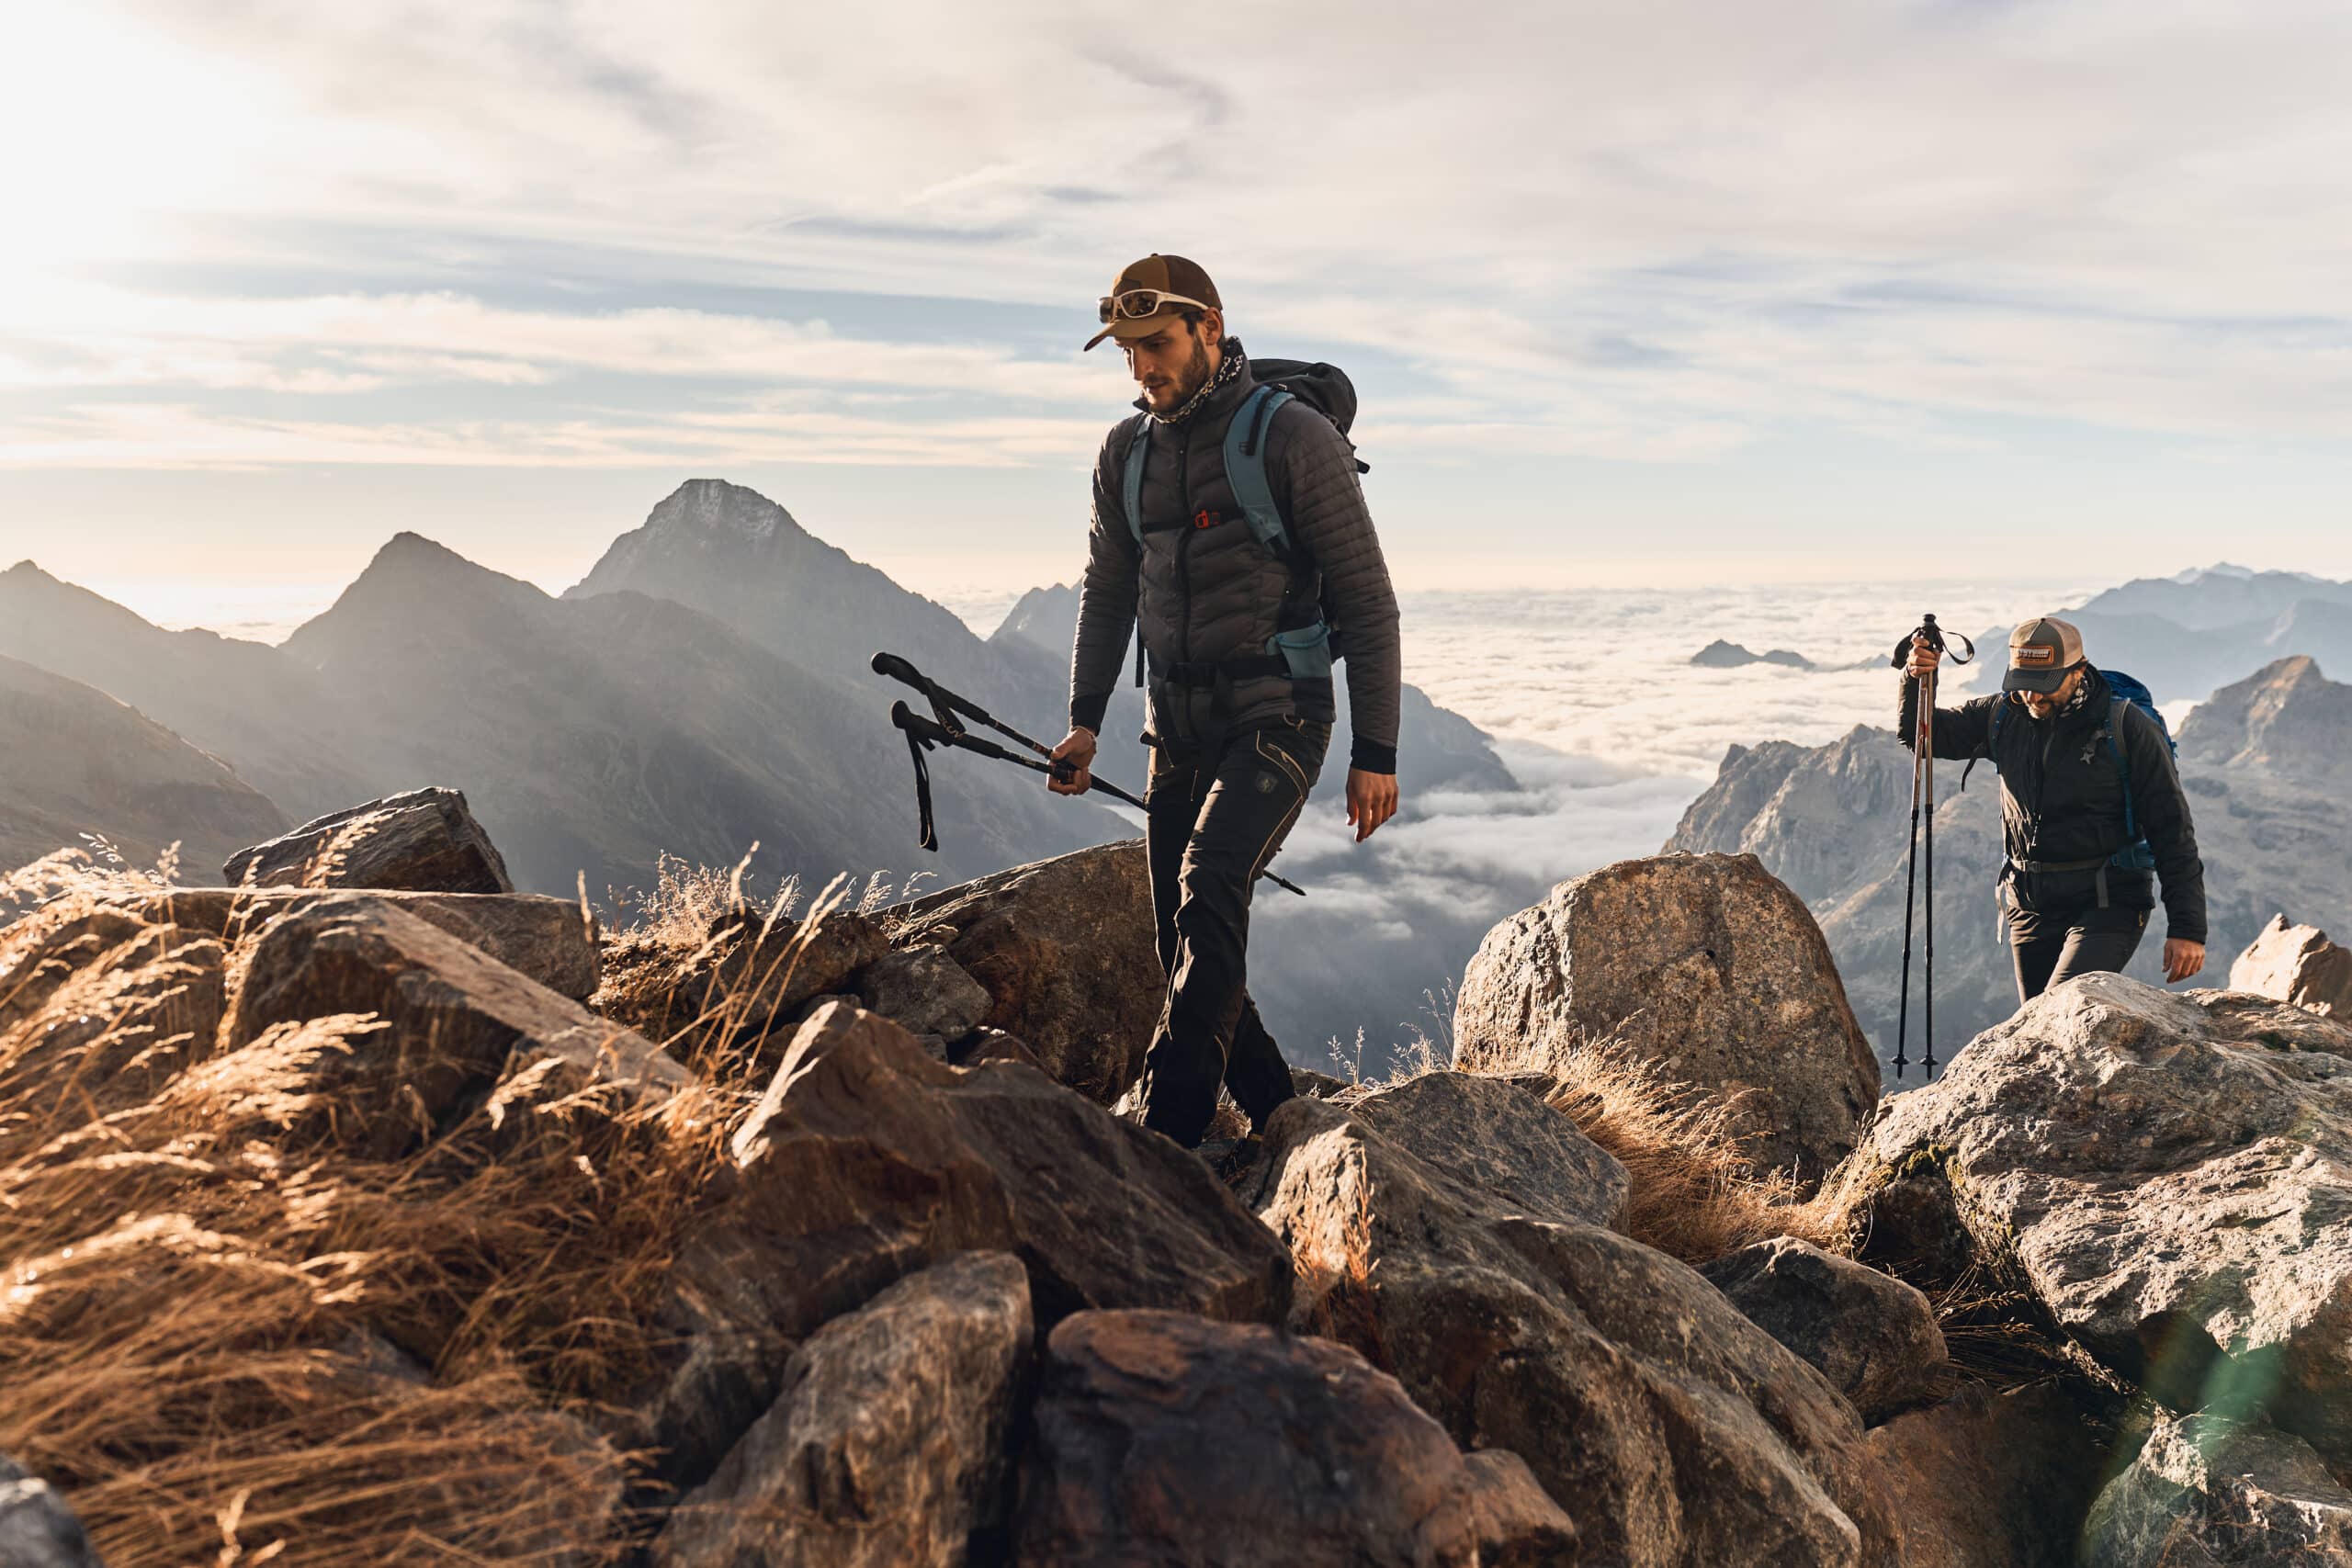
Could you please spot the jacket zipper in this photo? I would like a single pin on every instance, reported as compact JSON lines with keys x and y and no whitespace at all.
{"x":1184,"y":542}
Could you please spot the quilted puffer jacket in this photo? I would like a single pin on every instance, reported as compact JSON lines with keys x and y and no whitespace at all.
{"x":1207,"y":591}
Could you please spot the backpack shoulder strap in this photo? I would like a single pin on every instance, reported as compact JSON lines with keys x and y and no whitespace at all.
{"x":1131,"y":482}
{"x":1245,"y":468}
{"x":2113,"y":735}
{"x":1991,"y":741}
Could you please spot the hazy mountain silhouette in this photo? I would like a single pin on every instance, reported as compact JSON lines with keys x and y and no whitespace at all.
{"x":734,"y":554}
{"x":246,"y":702}
{"x":75,"y":761}
{"x":2186,"y":635}
{"x":596,"y":733}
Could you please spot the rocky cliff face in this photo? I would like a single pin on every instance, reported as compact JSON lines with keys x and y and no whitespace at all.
{"x":2263,"y":761}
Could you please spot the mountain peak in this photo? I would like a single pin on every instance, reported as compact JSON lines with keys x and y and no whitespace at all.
{"x":716,"y":509}
{"x":2286,"y":719}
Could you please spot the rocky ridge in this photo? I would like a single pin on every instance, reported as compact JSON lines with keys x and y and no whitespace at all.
{"x":910,"y":1298}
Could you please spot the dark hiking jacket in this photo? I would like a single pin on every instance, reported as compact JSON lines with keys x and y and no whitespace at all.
{"x":1206,"y":590}
{"x":2061,"y":799}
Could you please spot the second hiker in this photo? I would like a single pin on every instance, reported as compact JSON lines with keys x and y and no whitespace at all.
{"x":1230,"y":533}
{"x":2092,"y":810}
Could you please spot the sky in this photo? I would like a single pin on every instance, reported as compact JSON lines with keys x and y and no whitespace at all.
{"x":1644,"y":292}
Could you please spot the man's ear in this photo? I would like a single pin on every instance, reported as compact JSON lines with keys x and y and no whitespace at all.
{"x":1213,"y":325}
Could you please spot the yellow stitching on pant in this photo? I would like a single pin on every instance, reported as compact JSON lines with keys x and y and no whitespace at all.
{"x":1297,"y":776}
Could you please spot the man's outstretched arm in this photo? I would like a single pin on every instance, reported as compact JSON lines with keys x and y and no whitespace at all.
{"x":1107,"y":618}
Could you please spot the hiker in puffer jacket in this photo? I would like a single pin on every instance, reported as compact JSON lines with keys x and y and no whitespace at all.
{"x":2091,"y":809}
{"x":1233,"y":634}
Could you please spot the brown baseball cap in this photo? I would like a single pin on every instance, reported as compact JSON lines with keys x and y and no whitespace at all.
{"x":1160,"y":274}
{"x":2040,"y":652}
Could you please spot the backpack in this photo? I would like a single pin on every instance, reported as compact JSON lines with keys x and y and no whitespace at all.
{"x":1306,"y":652}
{"x":2128,"y":691}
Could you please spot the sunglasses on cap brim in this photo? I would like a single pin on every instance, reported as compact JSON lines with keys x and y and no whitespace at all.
{"x":1137,"y":304}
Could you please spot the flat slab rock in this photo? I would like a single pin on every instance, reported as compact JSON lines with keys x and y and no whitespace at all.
{"x":1161,"y":1438}
{"x":887,"y":1446}
{"x":2170,"y":1175}
{"x":548,"y":939}
{"x":450,"y":1023}
{"x":2208,"y":1491}
{"x":1707,"y":967}
{"x":425,"y":840}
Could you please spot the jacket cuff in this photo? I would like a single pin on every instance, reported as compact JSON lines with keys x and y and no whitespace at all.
{"x":1086,"y":713}
{"x":1371,"y":757}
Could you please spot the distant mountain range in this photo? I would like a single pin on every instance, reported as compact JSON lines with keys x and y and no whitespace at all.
{"x":2266,"y":760}
{"x":73,"y":760}
{"x":1721,"y":655}
{"x":2187,"y":635}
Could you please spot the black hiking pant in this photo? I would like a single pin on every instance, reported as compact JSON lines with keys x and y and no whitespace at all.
{"x":2050,"y":947}
{"x":1215,"y":816}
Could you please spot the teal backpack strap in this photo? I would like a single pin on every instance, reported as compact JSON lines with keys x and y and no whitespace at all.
{"x":1131,"y":482}
{"x":1245,"y":468}
{"x":2122,"y":769}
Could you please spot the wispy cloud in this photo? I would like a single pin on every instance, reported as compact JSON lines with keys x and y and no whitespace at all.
{"x":1645,"y":234}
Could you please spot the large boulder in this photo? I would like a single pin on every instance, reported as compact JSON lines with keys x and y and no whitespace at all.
{"x":1167,"y":1439}
{"x":1870,"y":1335}
{"x":868,"y":1159}
{"x":1065,"y":950}
{"x":1680,"y":1432}
{"x":1705,"y":965}
{"x":36,"y":1529}
{"x":2169,"y":1175}
{"x":2297,"y":964}
{"x":450,"y":1022}
{"x":1988,"y":1480}
{"x":425,"y":840}
{"x":2220,"y":1493}
{"x":548,"y":939}
{"x":886,"y":1448}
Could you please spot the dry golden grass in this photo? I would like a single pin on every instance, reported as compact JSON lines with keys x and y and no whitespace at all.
{"x":1695,"y":1194}
{"x":229,"y":1341}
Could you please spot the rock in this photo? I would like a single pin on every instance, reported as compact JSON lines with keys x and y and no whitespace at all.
{"x":1163,"y":1437}
{"x":2168,"y":1175}
{"x":2207,"y":1490}
{"x":455,"y":1020}
{"x":425,"y":840}
{"x":1065,"y":950}
{"x":1703,"y":964}
{"x":1870,"y":1335}
{"x":1320,"y":1085}
{"x":2297,"y":964}
{"x":923,"y":991}
{"x":1991,"y":1481}
{"x":548,"y":939}
{"x":740,"y":986}
{"x":992,"y":1045}
{"x":36,"y":1529}
{"x":868,"y":1160}
{"x":1499,"y":1139}
{"x":1681,"y":1432}
{"x":886,"y":1447}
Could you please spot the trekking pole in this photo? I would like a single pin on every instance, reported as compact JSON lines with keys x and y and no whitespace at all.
{"x":1923,"y":789}
{"x":923,"y":733}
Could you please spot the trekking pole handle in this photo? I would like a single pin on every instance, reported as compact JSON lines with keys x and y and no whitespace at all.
{"x":898,"y":669}
{"x":1934,"y":634}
